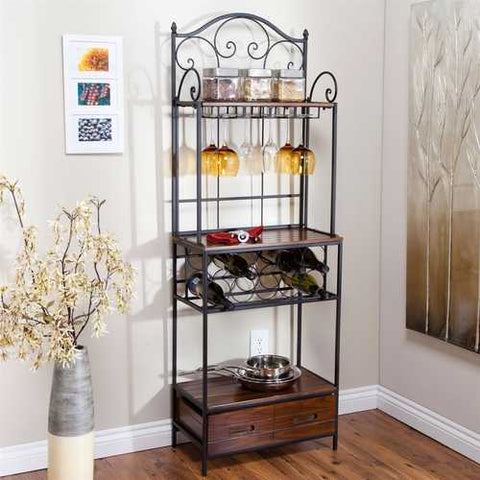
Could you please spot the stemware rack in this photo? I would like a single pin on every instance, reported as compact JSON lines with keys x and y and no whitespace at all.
{"x":215,"y":413}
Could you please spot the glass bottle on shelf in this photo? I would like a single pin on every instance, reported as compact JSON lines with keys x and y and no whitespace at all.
{"x":222,"y":84}
{"x":290,"y":85}
{"x":235,"y":265}
{"x":258,"y":84}
{"x":215,"y":293}
{"x":304,"y":283}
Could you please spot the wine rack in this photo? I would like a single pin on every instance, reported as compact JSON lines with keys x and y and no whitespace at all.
{"x":202,"y":407}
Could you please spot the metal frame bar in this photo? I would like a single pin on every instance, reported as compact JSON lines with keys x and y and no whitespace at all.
{"x":338,"y":314}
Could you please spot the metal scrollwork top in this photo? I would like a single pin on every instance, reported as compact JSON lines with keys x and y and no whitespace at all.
{"x":209,"y":36}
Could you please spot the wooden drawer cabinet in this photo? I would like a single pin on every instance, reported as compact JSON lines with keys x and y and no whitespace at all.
{"x":318,"y":409}
{"x":241,"y":423}
{"x":262,"y":426}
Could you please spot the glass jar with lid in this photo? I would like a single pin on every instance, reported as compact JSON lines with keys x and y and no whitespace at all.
{"x":222,"y":84}
{"x":258,"y":84}
{"x":290,"y":85}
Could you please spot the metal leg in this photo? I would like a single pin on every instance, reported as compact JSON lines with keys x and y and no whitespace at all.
{"x":337,"y":337}
{"x":299,"y":335}
{"x":204,"y":465}
{"x":174,"y":346}
{"x":205,"y":260}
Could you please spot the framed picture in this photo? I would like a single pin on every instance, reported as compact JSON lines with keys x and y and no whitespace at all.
{"x":93,"y":84}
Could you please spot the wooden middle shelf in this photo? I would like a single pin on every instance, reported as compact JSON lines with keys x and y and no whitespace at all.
{"x":225,"y":393}
{"x":294,"y":237}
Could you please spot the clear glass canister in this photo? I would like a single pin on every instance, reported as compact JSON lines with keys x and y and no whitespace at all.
{"x":290,"y":86}
{"x":258,"y":84}
{"x":223,"y":84}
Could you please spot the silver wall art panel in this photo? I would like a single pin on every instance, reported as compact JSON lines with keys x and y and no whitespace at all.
{"x":443,"y":244}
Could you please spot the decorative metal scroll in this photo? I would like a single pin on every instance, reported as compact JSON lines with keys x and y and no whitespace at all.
{"x":330,"y":92}
{"x":257,"y":50}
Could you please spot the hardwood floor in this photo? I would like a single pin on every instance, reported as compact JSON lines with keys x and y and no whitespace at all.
{"x":372,"y":446}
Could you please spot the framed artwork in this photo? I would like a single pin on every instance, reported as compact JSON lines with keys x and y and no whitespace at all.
{"x":93,"y":85}
{"x":443,"y":242}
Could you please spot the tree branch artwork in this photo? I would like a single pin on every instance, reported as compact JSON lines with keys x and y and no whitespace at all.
{"x":53,"y":297}
{"x":443,"y":256}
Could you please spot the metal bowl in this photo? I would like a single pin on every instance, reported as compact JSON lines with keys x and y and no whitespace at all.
{"x":265,"y":385}
{"x":268,"y":367}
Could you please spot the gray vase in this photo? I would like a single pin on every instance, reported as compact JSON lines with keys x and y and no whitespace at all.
{"x":70,"y":421}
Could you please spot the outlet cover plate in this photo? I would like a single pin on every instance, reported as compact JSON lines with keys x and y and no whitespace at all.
{"x":258,"y":342}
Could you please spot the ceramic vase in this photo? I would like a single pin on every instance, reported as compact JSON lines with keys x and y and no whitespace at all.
{"x":70,"y":421}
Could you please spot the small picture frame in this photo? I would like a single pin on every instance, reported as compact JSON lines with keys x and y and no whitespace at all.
{"x":93,"y":93}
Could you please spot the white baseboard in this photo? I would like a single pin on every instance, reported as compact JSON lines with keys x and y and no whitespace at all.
{"x":108,"y":443}
{"x":358,"y":399}
{"x":451,"y":434}
{"x":134,"y":438}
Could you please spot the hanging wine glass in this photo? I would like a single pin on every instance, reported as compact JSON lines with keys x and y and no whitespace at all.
{"x":284,"y":155}
{"x":209,"y":154}
{"x":269,"y":151}
{"x":227,"y":159}
{"x":303,"y":161}
{"x":255,"y":164}
{"x":245,"y":149}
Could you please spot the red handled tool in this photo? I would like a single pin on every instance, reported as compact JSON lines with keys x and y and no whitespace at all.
{"x":234,"y":237}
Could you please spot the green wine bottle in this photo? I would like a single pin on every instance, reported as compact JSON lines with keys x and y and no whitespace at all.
{"x":215,"y":293}
{"x":284,"y":260}
{"x":294,"y":259}
{"x":309,"y":260}
{"x":234,"y":264}
{"x":303,"y":282}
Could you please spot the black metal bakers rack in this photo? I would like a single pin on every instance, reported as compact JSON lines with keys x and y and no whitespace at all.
{"x":192,"y":252}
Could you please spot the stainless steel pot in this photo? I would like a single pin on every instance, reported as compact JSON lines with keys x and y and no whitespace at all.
{"x":268,"y":385}
{"x":268,"y":367}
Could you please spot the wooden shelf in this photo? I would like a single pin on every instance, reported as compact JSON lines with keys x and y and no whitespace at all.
{"x":226,"y":393}
{"x":270,"y":240}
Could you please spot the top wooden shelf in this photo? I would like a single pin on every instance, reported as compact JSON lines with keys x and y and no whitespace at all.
{"x":205,"y":104}
{"x":294,"y":237}
{"x":231,"y":110}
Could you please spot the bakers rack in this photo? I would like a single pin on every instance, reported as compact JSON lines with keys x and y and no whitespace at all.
{"x":217,"y":414}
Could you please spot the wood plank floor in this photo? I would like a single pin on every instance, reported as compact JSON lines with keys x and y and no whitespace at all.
{"x":372,"y":446}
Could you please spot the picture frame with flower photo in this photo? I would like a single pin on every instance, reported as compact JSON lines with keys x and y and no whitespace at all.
{"x":93,"y":84}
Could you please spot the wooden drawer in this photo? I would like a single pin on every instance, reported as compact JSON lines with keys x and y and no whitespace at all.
{"x":241,"y":423}
{"x":306,"y":430}
{"x":231,"y":431}
{"x":314,"y":409}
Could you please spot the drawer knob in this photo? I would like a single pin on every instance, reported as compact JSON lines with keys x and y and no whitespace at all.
{"x":304,"y":419}
{"x":238,"y":431}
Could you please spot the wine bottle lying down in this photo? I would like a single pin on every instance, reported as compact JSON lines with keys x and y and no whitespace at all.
{"x":235,"y":264}
{"x":215,"y":293}
{"x":295,"y":259}
{"x":303,"y":282}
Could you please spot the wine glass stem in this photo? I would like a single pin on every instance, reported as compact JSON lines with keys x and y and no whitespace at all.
{"x":225,"y":132}
{"x":288,"y":130}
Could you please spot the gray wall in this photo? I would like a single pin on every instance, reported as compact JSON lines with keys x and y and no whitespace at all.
{"x":130,"y":365}
{"x":441,"y":377}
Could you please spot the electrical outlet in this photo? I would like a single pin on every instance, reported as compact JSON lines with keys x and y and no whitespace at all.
{"x":258,"y":342}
